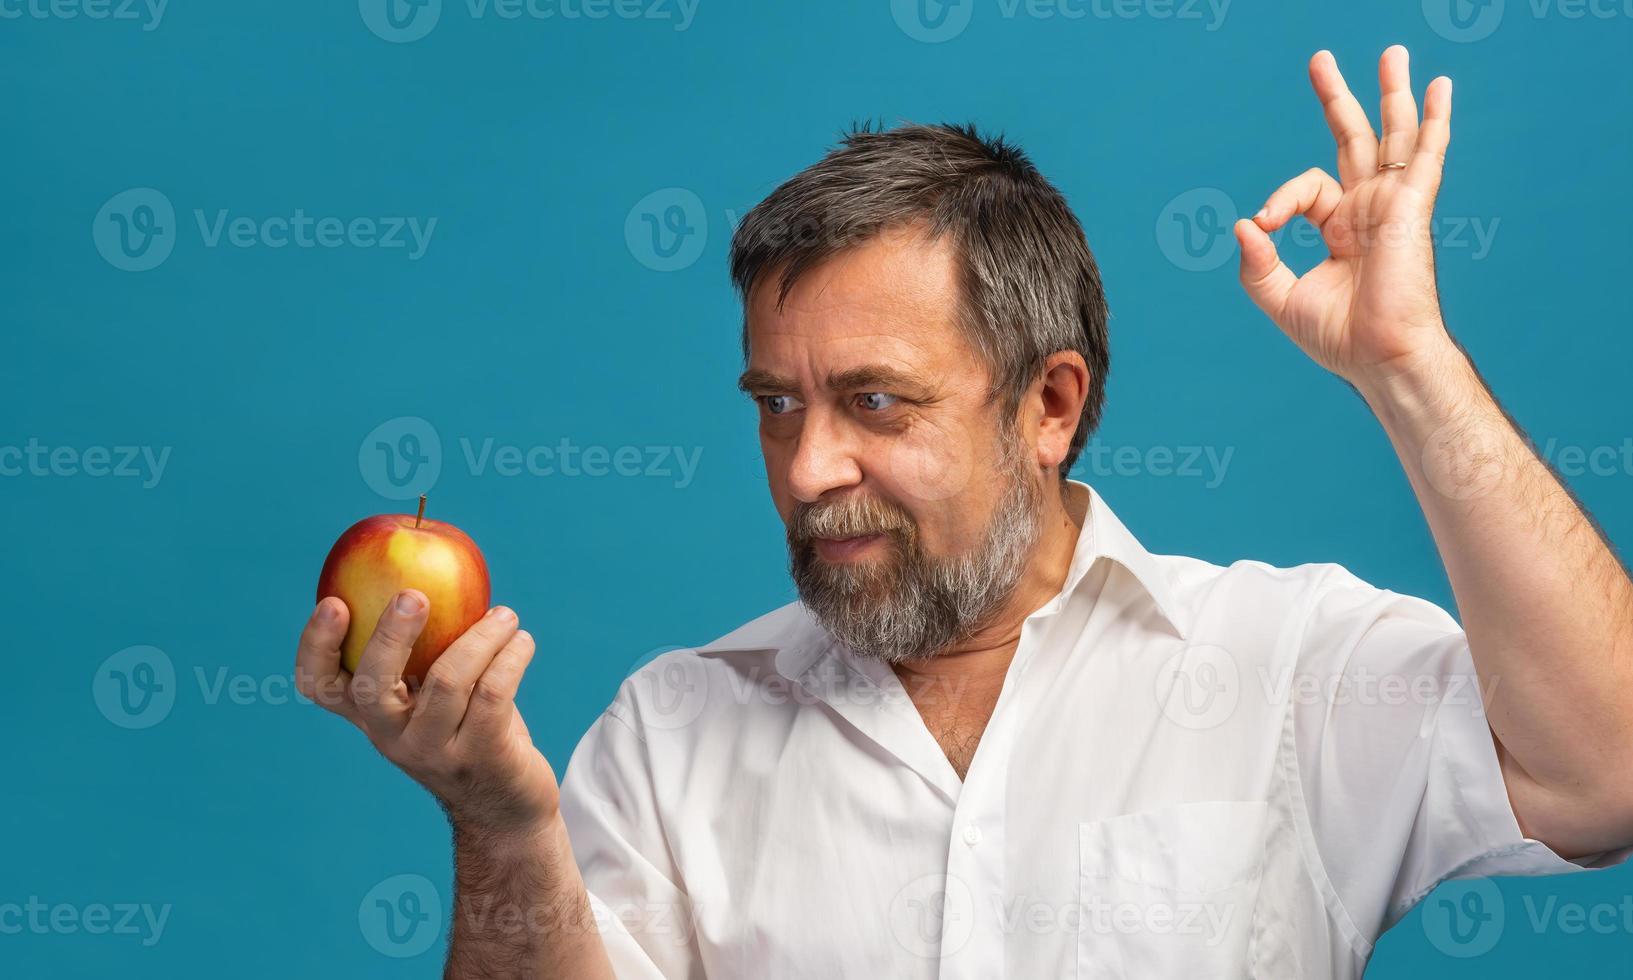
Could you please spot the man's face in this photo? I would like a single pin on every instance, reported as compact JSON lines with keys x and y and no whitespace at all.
{"x":910,"y":509}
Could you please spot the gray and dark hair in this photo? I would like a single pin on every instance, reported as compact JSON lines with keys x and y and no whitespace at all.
{"x":1031,"y":287}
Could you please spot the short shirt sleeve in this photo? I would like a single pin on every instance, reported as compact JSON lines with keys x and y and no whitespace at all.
{"x":1396,"y":761}
{"x":640,"y":906}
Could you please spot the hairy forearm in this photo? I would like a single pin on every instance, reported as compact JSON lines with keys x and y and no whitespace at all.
{"x":1547,"y":607}
{"x":521,"y":909}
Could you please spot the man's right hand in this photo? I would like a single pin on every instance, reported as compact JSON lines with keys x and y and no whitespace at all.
{"x":459,"y":734}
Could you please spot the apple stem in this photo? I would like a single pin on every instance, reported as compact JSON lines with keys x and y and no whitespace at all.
{"x":421,"y":515}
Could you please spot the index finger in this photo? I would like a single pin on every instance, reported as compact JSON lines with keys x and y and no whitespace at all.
{"x":318,"y":674}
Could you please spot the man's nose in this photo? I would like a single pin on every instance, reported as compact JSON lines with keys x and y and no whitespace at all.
{"x":824,"y":459}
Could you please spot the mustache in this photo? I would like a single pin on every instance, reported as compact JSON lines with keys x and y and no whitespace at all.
{"x":847,"y":518}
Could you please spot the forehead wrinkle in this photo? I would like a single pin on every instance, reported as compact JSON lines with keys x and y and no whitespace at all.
{"x":885,"y":304}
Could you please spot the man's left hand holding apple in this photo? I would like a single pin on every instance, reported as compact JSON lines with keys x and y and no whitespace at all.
{"x":460,"y":735}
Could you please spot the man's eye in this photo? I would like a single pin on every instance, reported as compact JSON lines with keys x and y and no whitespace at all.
{"x":877,"y":401}
{"x":779,"y":404}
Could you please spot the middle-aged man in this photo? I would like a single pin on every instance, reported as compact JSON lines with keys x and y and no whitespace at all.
{"x":996,"y":737}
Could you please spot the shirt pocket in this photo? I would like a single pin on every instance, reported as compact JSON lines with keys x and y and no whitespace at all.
{"x":1170,"y":892}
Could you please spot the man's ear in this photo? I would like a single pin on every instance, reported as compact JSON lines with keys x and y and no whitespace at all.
{"x":1059,"y":398}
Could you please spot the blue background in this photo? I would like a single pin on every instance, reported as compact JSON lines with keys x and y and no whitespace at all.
{"x":532,"y":317}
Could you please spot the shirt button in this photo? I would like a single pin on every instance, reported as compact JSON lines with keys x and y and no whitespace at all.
{"x":972,"y":835}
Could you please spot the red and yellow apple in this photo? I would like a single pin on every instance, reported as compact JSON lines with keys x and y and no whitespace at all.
{"x":379,"y":556}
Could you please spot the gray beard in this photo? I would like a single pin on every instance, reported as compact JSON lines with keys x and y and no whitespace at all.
{"x":910,"y":605}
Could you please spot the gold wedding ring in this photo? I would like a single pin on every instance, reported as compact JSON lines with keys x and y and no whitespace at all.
{"x":1391,"y":166}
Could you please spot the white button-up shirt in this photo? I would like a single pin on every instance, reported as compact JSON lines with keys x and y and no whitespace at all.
{"x":1191,"y":771}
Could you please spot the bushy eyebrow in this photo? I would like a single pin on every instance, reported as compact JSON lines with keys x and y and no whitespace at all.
{"x":757,"y":382}
{"x":868,"y":377}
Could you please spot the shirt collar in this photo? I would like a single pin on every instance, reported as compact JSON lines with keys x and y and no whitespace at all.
{"x":1104,"y":536}
{"x":799,"y":639}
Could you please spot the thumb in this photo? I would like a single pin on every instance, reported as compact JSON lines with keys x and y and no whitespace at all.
{"x":1265,"y":277}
